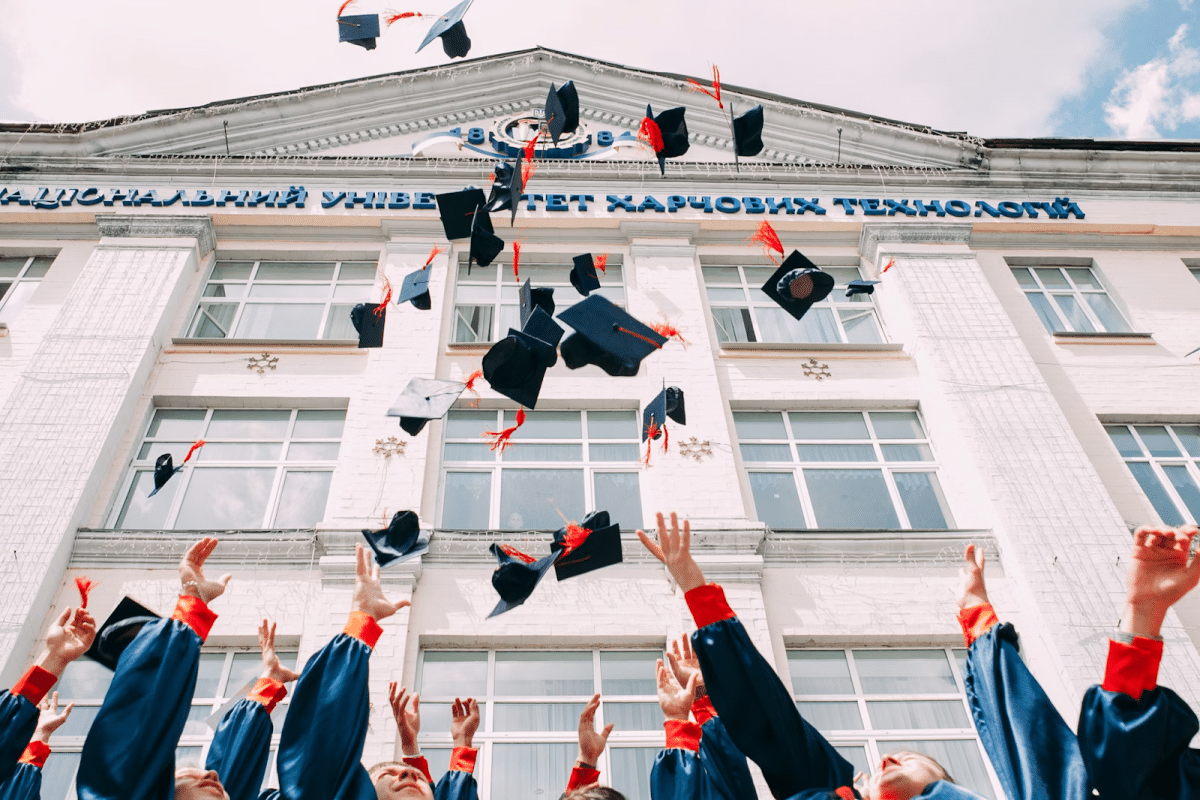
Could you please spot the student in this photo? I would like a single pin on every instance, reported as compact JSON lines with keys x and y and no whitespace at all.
{"x":1133,"y":733}
{"x":26,"y":781}
{"x":464,"y":721}
{"x":584,"y":782}
{"x":757,"y":709}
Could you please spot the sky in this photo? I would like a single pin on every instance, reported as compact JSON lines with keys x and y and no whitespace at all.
{"x":1118,"y":69}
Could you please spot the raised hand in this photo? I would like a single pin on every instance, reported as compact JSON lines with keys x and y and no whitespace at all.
{"x":191,"y":572}
{"x":272,"y":668}
{"x":675,"y":700}
{"x":972,"y":591}
{"x":685,"y":664}
{"x":675,"y":550}
{"x":69,"y":637}
{"x":368,"y":593}
{"x":591,"y":741}
{"x":464,"y":721}
{"x":408,"y":720}
{"x":49,"y":720}
{"x":1159,"y":575}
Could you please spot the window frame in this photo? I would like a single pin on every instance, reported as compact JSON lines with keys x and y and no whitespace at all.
{"x":1039,"y":288}
{"x":21,"y":279}
{"x":1157,"y":463}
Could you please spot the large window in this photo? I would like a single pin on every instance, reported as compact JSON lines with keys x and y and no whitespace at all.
{"x":223,"y":676}
{"x":260,"y":468}
{"x":1165,"y":460}
{"x":487,"y":302}
{"x":1070,"y":299}
{"x":571,"y":462}
{"x":743,"y":313}
{"x":282,"y":299}
{"x":530,"y":703}
{"x":19,"y":278}
{"x":872,"y":702}
{"x":841,"y":469}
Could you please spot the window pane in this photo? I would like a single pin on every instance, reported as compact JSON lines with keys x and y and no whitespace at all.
{"x":80,"y":721}
{"x":904,"y":671}
{"x":906,"y":452}
{"x":726,"y":295}
{"x":543,"y":452}
{"x":721,"y":275}
{"x":1084,"y":278}
{"x":546,"y":425}
{"x":476,"y":273}
{"x":819,"y":672}
{"x":467,"y":501}
{"x":302,"y":501}
{"x":1155,"y":492}
{"x":897,"y":425}
{"x":532,"y":498}
{"x":836,"y":452}
{"x":1073,"y":313}
{"x":630,"y":768}
{"x":245,"y":424}
{"x":1185,"y":487}
{"x":84,"y":679}
{"x":238,"y":451}
{"x":816,"y":325}
{"x":633,"y":716}
{"x":759,"y":425}
{"x":860,"y":326}
{"x":17,"y":298}
{"x":141,"y":510}
{"x":826,"y":425}
{"x":549,"y":674}
{"x":226,"y":497}
{"x":766,"y":452}
{"x":454,"y":674}
{"x":613,"y":452}
{"x":436,"y":717}
{"x":1126,"y":444}
{"x":1157,"y":440}
{"x":960,"y":757}
{"x":281,"y":290}
{"x":473,"y":323}
{"x":1052,"y":278}
{"x":176,"y":424}
{"x":358,"y":293}
{"x":213,"y":320}
{"x":850,"y":498}
{"x":245,"y":669}
{"x":1189,"y":435}
{"x":208,"y":677}
{"x":39,"y":267}
{"x":461,"y":451}
{"x":537,"y":716}
{"x":776,"y":325}
{"x":291,"y":270}
{"x":319,"y":424}
{"x":628,"y":672}
{"x":469,"y":424}
{"x":279,"y":321}
{"x":829,"y":716}
{"x":11,"y":266}
{"x":856,"y":755}
{"x":1106,"y":311}
{"x":619,"y":494}
{"x":58,"y":774}
{"x":901,"y":714}
{"x":313,"y":451}
{"x":232,"y":271}
{"x":195,"y":725}
{"x":776,"y":500}
{"x":358,"y":271}
{"x":1045,"y":312}
{"x":612,"y":425}
{"x":923,"y":500}
{"x":1024,"y":279}
{"x":733,"y":325}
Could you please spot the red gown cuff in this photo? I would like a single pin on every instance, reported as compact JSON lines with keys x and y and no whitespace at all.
{"x":702,"y":710}
{"x":582,"y":776}
{"x":36,"y":754}
{"x":34,"y":684}
{"x":976,"y":621}
{"x":421,"y":763}
{"x":195,"y":613}
{"x":1132,"y":668}
{"x":707,"y":604}
{"x":362,"y":626}
{"x":462,"y":759}
{"x":683,"y":734}
{"x":269,"y":692}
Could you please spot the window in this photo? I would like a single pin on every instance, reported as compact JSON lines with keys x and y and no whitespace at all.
{"x":487,"y":302}
{"x":530,"y":703}
{"x":19,"y":279}
{"x":224,"y":676}
{"x":260,"y":468}
{"x":835,"y":319}
{"x":871,"y":702}
{"x":1070,"y":299}
{"x":282,"y":299}
{"x":1165,"y":460}
{"x":1195,"y":272}
{"x":571,"y":462}
{"x":859,"y":470}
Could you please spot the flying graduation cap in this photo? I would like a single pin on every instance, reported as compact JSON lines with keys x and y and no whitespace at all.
{"x":368,"y":319}
{"x":747,"y":131}
{"x":415,"y":289}
{"x":359,"y":29}
{"x":422,"y":400}
{"x":608,"y":337}
{"x":588,"y":546}
{"x":399,"y":541}
{"x":449,"y":27}
{"x":458,"y":212}
{"x":667,"y":134}
{"x":531,"y":298}
{"x":797,"y":284}
{"x":165,"y":469}
{"x":516,"y":365}
{"x":583,"y":274}
{"x":860,"y":287}
{"x":668,"y":404}
{"x":562,"y":110}
{"x":506,"y":190}
{"x":119,"y":631}
{"x":517,"y":575}
{"x":485,"y":245}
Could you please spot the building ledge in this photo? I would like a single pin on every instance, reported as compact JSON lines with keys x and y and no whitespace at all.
{"x":809,"y":349}
{"x":1103,"y":337}
{"x":189,"y":342}
{"x":828,"y":546}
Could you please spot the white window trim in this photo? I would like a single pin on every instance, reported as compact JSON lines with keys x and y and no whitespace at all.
{"x":17,"y":282}
{"x":1156,"y":463}
{"x":1076,"y":292}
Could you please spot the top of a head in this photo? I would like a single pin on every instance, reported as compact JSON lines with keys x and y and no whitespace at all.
{"x":593,"y":792}
{"x":941,"y":771}
{"x":415,"y":785}
{"x":195,"y":783}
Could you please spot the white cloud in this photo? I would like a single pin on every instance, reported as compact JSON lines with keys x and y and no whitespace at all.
{"x":1185,"y":4}
{"x":1157,"y":95}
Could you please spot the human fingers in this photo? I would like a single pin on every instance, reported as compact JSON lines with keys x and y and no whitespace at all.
{"x":687,"y":536}
{"x":652,"y":546}
{"x":67,"y":711}
{"x":687,"y":648}
{"x":607,"y":730}
{"x":63,"y":618}
{"x":53,"y":707}
{"x":399,"y":604}
{"x":361,"y":570}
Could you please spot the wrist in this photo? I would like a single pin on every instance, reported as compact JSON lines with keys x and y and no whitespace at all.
{"x":411,"y":749}
{"x":1143,"y":619}
{"x":973,"y":599}
{"x":464,"y":741}
{"x":585,"y":761}
{"x":54,"y":663}
{"x":42,"y":736}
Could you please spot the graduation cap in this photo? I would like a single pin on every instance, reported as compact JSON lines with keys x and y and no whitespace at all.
{"x":416,"y":289}
{"x":368,"y":319}
{"x":516,"y":365}
{"x":119,"y":631}
{"x":562,"y":110}
{"x":422,"y":400}
{"x":583,"y":274}
{"x":517,"y":576}
{"x":485,"y":245}
{"x":672,"y":134}
{"x":506,"y":190}
{"x":359,"y":29}
{"x":399,"y":541}
{"x":747,"y":132}
{"x":542,"y":326}
{"x":457,"y":210}
{"x":531,"y":298}
{"x":797,"y":284}
{"x":450,"y":28}
{"x":668,"y":404}
{"x":860,"y":287}
{"x":588,"y":546}
{"x":165,"y":469}
{"x":607,"y":337}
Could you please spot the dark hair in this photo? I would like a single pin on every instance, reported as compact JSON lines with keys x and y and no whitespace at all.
{"x":593,"y":792}
{"x":943,"y":774}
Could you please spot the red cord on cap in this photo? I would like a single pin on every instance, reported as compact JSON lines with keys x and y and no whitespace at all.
{"x":501,"y":441}
{"x":84,"y":585}
{"x":768,"y":238}
{"x":513,"y":552}
{"x":715,"y":92}
{"x":651,"y":134}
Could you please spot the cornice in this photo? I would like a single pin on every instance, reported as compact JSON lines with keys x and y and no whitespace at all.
{"x":878,"y":234}
{"x":158,"y":226}
{"x":874,"y":548}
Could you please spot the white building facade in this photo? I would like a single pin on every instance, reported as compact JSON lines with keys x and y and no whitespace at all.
{"x":1021,"y":378}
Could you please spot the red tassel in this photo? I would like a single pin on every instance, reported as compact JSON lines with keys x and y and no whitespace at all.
{"x":501,"y":440}
{"x":470,"y":387}
{"x":517,"y":261}
{"x":387,"y":297}
{"x":528,"y":169}
{"x":195,"y":446}
{"x":432,"y":255}
{"x":650,"y":133}
{"x":666,"y":438}
{"x":343,"y":6}
{"x":891,"y":263}
{"x":531,"y":146}
{"x":404,"y":15}
{"x":768,"y":238}
{"x":651,"y":433}
{"x":601,"y":262}
{"x":715,"y":92}
{"x":515,"y":553}
{"x":576,"y":536}
{"x":84,"y":586}
{"x":671,"y":332}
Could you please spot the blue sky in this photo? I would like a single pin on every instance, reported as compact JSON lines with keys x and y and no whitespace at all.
{"x":1024,"y":68}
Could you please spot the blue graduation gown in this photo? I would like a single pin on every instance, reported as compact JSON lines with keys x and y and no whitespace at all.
{"x":241,"y":749}
{"x":726,"y":775}
{"x":18,"y":719}
{"x":25,"y":783}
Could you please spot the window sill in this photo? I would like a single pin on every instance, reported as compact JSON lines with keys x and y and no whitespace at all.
{"x":184,"y":341}
{"x":741,"y":348}
{"x":1104,"y":337}
{"x":836,"y":546}
{"x":470,"y":345}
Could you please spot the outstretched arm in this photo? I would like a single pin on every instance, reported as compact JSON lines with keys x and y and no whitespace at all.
{"x":591,"y":747}
{"x":677,"y":773}
{"x":26,"y":781}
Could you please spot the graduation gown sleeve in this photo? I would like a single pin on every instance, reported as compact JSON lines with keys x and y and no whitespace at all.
{"x":459,"y":781}
{"x":677,"y":773}
{"x":241,"y":746}
{"x":726,"y":775}
{"x":19,"y":716}
{"x":25,"y":783}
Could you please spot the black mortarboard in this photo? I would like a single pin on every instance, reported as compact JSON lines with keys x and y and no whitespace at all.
{"x":531,"y":298}
{"x":583,"y":274}
{"x":450,"y":27}
{"x":802,"y":285}
{"x":416,"y":289}
{"x":368,"y":323}
{"x":673,"y":128}
{"x":601,"y":548}
{"x":607,"y":337}
{"x":359,"y":29}
{"x":457,"y":210}
{"x":485,"y":245}
{"x":516,"y":365}
{"x":399,"y":541}
{"x":562,"y":110}
{"x":542,"y":326}
{"x":668,"y":404}
{"x":164,"y":468}
{"x":747,"y":132}
{"x":860,"y":287}
{"x":515,"y":579}
{"x":506,"y":190}
{"x":119,"y":631}
{"x":424,"y":399}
